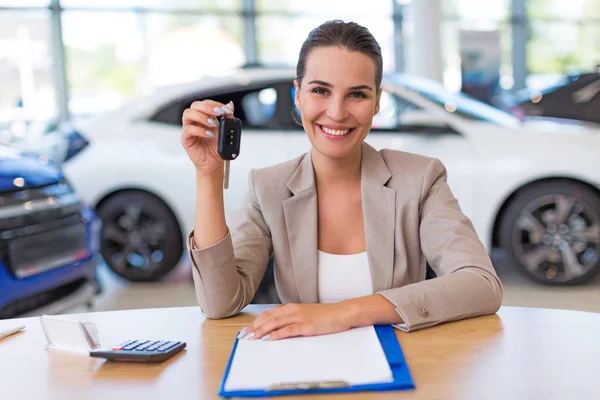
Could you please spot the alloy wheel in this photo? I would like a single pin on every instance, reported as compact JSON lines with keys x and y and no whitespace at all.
{"x":557,"y":237}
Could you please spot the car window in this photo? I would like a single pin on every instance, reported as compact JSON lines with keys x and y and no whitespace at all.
{"x":172,"y":113}
{"x":259,"y":106}
{"x":391,"y":108}
{"x":265,"y":107}
{"x":457,"y":104}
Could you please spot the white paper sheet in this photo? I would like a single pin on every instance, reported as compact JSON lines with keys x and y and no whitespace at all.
{"x":354,"y":356}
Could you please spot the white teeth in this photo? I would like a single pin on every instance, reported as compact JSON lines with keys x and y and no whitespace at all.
{"x":335,"y":132}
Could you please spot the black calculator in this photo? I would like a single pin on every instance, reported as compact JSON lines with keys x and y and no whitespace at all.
{"x":141,"y":351}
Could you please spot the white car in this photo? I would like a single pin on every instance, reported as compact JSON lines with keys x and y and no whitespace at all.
{"x":533,"y":190}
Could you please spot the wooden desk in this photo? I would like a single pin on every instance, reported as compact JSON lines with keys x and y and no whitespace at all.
{"x":519,"y":353}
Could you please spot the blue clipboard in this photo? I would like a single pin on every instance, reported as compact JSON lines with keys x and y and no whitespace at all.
{"x":391,"y":348}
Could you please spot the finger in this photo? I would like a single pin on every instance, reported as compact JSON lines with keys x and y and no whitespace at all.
{"x":273,"y":324}
{"x":273,"y":319}
{"x":198,"y":131}
{"x":261,"y":320}
{"x":212,"y":108}
{"x":229,"y":110}
{"x":195,"y":117}
{"x":293,"y":330}
{"x":280,"y":311}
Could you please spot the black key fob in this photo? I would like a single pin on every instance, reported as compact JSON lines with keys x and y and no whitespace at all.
{"x":230,"y":136}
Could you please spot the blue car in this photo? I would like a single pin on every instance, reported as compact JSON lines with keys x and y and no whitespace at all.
{"x":48,"y":240}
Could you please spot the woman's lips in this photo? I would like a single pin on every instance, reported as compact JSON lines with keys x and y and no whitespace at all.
{"x":334,"y":137}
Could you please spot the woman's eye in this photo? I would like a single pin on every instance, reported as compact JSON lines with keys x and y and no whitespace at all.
{"x":358,"y":95}
{"x":319,"y":90}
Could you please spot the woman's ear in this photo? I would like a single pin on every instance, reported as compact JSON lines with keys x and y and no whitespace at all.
{"x":376,"y":111}
{"x":297,"y":95}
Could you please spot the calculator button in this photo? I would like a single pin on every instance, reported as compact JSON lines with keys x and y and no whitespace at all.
{"x":121,"y":345}
{"x":154,"y":346}
{"x":135,"y":345}
{"x":131,"y":345}
{"x":168,"y":346}
{"x":157,"y":345}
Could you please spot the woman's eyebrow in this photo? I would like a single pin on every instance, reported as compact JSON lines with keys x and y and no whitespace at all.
{"x":322,"y":83}
{"x":327,"y":84}
{"x":360,"y":87}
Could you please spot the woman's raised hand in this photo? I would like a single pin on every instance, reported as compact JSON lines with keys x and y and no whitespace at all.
{"x":199,"y":136}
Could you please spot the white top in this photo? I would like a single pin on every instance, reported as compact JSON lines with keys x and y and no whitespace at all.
{"x":343,"y":277}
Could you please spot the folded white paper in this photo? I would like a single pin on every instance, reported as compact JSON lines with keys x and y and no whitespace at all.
{"x":355,"y":357}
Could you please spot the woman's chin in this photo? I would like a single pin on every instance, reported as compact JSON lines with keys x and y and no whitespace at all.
{"x":336,"y":150}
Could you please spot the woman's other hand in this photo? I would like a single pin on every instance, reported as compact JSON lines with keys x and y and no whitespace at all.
{"x":298,"y":320}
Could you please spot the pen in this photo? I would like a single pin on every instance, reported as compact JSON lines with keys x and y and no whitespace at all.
{"x":12,"y":331}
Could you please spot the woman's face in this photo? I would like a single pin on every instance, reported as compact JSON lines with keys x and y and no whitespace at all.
{"x":337,"y":99}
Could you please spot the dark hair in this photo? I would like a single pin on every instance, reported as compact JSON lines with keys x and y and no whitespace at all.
{"x":348,"y":35}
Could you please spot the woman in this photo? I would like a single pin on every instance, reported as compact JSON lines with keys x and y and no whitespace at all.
{"x":350,"y":228}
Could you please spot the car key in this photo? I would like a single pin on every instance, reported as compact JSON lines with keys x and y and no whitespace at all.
{"x":230,"y":135}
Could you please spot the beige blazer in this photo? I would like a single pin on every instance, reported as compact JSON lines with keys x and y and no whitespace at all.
{"x":410,"y":215}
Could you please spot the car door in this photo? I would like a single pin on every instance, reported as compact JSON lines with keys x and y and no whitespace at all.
{"x":402,"y":124}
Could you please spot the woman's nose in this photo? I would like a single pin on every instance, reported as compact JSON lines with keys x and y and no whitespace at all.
{"x":337,"y":110}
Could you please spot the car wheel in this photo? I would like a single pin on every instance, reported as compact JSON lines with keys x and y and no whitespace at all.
{"x":140,"y":238}
{"x":551,"y":231}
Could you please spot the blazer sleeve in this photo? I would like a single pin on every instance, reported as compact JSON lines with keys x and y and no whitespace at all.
{"x":228,"y":273}
{"x":466,"y":283}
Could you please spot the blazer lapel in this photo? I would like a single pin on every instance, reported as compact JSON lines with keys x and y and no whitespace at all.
{"x":379,"y":214}
{"x":301,"y":220}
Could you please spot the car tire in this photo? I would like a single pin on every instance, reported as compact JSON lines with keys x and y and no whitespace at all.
{"x":551,"y":232}
{"x":140,"y":238}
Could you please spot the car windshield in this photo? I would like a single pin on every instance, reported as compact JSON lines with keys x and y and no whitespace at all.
{"x":457,"y":103}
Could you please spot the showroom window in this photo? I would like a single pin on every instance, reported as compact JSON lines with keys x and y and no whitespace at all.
{"x":558,"y":48}
{"x":142,"y":51}
{"x":277,"y":49}
{"x":298,"y":17}
{"x":24,"y":3}
{"x":326,"y":8}
{"x":468,"y":16}
{"x":170,"y":5}
{"x":564,"y":39}
{"x":28,"y":91}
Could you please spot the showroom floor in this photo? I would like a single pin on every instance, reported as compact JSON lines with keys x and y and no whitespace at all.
{"x":178,"y":290}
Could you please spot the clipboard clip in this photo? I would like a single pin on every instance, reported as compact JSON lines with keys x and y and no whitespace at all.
{"x":308,"y":385}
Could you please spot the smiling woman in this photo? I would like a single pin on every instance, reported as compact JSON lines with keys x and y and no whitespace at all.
{"x":350,"y":228}
{"x":330,"y":109}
